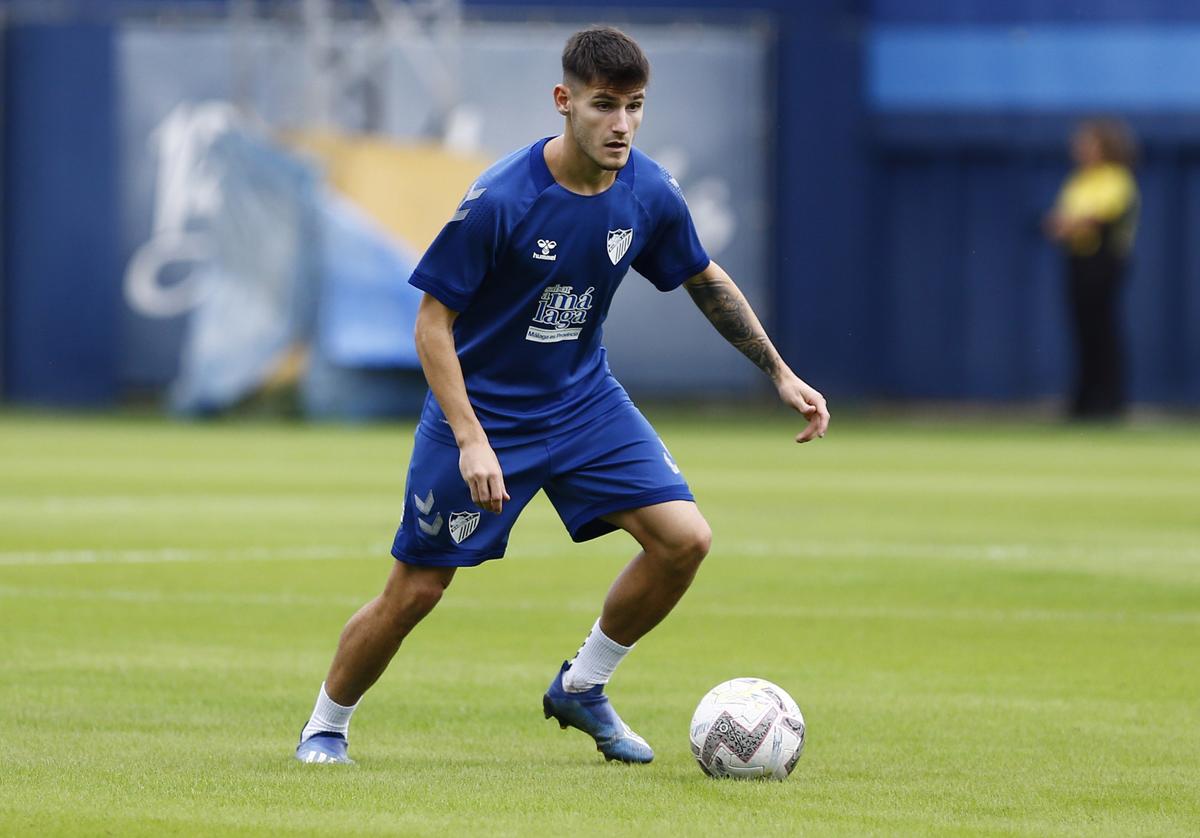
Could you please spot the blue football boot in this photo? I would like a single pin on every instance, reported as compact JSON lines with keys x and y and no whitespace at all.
{"x":590,"y":712}
{"x":324,"y":748}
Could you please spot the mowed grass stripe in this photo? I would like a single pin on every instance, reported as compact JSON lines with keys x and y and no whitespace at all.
{"x":993,"y":553}
{"x":586,"y":606}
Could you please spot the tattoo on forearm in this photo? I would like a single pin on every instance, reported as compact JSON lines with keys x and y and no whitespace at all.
{"x":726,"y":308}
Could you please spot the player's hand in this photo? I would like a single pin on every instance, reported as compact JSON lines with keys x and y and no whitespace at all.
{"x":807,"y":402}
{"x":481,"y":471}
{"x":1054,"y":226}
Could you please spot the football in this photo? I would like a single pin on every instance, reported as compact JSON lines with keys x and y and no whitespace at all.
{"x":747,"y":728}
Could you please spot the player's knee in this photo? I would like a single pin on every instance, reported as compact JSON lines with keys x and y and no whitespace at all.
{"x":421,"y":597}
{"x":414,"y":597}
{"x":687,"y":549}
{"x":700,"y":541}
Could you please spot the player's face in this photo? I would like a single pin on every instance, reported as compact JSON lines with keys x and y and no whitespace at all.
{"x":604,"y":121}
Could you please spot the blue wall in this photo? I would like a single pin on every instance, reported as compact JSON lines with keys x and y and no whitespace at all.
{"x":970,"y":301}
{"x":971,"y":104}
{"x":1026,"y":12}
{"x":60,"y":270}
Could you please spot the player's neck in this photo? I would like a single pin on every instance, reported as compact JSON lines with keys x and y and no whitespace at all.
{"x":573,"y":170}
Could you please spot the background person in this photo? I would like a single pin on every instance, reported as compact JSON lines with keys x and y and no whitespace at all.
{"x":1093,"y":221}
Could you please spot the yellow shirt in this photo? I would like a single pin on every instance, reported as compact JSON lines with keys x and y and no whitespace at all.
{"x":1106,"y":194}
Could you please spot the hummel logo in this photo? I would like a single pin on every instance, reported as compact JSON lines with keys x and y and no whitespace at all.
{"x":471,"y":195}
{"x":424,"y":505}
{"x":546,"y":245}
{"x":431,"y":529}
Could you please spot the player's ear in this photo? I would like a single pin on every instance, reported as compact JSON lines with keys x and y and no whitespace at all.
{"x":562,"y":99}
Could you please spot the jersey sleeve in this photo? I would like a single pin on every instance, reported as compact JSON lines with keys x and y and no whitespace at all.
{"x":463,"y":252}
{"x":674,"y":253}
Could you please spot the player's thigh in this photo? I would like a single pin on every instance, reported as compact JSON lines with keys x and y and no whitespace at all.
{"x":441,"y":526}
{"x":674,"y":528}
{"x":615,"y":463}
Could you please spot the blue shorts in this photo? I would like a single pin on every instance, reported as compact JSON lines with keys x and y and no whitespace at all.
{"x":615,"y":462}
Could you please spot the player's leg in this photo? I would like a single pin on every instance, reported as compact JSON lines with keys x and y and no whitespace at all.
{"x":617,"y":474}
{"x":372,"y":636}
{"x":674,"y":538}
{"x":440,"y":530}
{"x":366,"y":647}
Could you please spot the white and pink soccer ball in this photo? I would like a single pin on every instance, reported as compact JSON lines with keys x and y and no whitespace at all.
{"x":747,"y":728}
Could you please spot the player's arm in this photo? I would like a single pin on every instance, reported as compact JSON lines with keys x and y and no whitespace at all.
{"x":715,"y":294}
{"x":439,"y":359}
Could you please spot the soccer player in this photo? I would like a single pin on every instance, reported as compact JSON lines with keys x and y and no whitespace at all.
{"x":517,"y":286}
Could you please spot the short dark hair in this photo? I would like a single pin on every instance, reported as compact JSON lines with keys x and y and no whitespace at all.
{"x":604,"y":55}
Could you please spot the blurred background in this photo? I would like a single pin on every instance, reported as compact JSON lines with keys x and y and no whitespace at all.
{"x":206,"y":204}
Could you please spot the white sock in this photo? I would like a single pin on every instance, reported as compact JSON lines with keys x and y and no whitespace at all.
{"x":594,"y":662}
{"x":328,"y":717}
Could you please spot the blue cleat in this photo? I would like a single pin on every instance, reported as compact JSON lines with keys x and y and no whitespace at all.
{"x":324,"y":748}
{"x":590,"y":712}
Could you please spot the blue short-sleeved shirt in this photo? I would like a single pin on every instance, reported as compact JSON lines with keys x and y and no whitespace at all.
{"x":532,"y":268}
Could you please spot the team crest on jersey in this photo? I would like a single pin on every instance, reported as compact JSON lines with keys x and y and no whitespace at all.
{"x":618,"y":244}
{"x":462,"y":524}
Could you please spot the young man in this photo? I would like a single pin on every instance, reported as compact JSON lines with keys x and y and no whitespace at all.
{"x":516,"y":287}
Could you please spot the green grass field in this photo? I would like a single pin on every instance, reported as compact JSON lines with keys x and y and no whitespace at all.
{"x":991,"y":629}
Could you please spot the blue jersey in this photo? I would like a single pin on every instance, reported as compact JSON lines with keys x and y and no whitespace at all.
{"x":532,"y":268}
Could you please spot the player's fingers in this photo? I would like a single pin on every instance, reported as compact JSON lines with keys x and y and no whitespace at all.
{"x":495,"y":484}
{"x":809,"y":431}
{"x":819,"y":415}
{"x":484,"y":496}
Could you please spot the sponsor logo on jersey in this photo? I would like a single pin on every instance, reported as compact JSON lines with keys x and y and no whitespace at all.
{"x":618,"y":244}
{"x":560,"y":315}
{"x":462,"y":524}
{"x":546,"y":246}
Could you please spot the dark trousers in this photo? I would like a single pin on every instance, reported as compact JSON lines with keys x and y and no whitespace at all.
{"x":1095,"y":284}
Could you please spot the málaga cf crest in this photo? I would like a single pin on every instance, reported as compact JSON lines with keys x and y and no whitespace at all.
{"x":462,"y":524}
{"x":618,"y":244}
